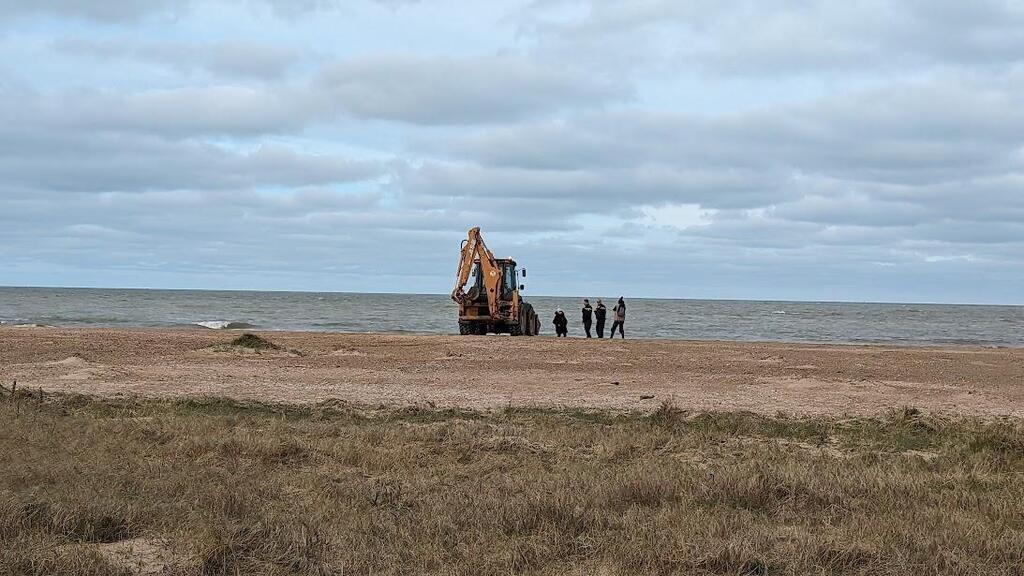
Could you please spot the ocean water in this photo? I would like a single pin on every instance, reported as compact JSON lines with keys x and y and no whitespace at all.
{"x":917,"y":324}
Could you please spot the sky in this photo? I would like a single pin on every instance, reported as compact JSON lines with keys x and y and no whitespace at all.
{"x":870,"y":150}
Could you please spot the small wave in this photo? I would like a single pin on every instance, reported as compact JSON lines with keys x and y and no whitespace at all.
{"x":778,"y":311}
{"x":224,"y":325}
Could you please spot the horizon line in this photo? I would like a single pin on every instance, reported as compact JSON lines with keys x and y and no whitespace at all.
{"x":769,"y":300}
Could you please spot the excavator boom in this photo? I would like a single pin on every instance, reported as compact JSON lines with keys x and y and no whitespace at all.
{"x":473,"y":249}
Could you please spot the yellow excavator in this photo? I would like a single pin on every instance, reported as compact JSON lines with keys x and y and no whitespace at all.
{"x":493,"y":303}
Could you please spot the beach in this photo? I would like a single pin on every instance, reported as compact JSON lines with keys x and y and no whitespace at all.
{"x":494,"y":372}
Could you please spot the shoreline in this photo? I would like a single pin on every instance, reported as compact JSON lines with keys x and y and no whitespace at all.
{"x":402,"y":369}
{"x":197,"y":327}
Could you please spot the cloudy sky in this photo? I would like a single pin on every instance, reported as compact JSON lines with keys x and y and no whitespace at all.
{"x":804,"y":149}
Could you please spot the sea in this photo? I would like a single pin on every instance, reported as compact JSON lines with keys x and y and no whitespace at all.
{"x":824,"y":322}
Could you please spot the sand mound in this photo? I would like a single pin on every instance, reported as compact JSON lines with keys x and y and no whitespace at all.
{"x":140,"y":556}
{"x":71,"y":362}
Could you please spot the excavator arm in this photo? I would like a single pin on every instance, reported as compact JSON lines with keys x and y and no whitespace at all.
{"x":473,"y":248}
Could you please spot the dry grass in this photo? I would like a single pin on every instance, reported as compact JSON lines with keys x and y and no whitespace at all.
{"x":330,"y":489}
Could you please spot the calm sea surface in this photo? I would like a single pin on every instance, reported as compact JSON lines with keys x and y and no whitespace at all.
{"x":436,"y":314}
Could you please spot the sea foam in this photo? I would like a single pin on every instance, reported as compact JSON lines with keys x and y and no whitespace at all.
{"x":224,"y":325}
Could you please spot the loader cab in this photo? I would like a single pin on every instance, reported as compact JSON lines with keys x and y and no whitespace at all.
{"x":509,"y":280}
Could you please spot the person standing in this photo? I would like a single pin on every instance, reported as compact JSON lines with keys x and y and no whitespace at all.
{"x":561,"y":323}
{"x":620,"y":318}
{"x":588,"y":313}
{"x":599,"y":314}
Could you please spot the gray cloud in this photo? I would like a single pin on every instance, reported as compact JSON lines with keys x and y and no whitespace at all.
{"x":758,"y":38}
{"x":105,"y":10}
{"x":126,"y":11}
{"x":593,"y":190}
{"x":105,"y":163}
{"x":909,"y":132}
{"x":239,"y":59}
{"x":399,"y":88}
{"x":176,"y":112}
{"x":458,"y":90}
{"x":293,"y":8}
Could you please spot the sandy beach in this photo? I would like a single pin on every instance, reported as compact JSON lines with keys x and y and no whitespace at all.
{"x":494,"y":372}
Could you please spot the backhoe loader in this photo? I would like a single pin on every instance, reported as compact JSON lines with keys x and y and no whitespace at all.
{"x":493,"y":304}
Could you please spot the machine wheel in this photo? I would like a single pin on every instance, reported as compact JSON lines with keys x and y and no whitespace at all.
{"x":472,"y":329}
{"x":528,"y":323}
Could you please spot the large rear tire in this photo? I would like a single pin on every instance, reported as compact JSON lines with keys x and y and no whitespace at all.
{"x":528,"y":324}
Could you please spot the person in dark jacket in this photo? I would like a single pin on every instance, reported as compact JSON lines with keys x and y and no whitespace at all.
{"x":561,"y":323}
{"x":599,"y":314}
{"x":588,"y":313}
{"x":620,"y":318}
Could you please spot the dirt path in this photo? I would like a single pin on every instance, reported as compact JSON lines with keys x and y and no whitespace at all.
{"x":493,"y":372}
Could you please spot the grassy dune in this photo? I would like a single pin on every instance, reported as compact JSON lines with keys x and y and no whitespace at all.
{"x":215,"y":487}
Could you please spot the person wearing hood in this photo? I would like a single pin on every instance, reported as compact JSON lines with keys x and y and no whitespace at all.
{"x":588,"y":313}
{"x":599,"y":314}
{"x":620,"y":318}
{"x":561,"y":323}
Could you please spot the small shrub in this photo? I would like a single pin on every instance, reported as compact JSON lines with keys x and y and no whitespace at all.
{"x":291,"y":547}
{"x":93,"y":525}
{"x":254,"y":342}
{"x":668,"y":415}
{"x":646,"y":488}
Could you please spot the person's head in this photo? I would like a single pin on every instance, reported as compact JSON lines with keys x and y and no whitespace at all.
{"x":558,"y":311}
{"x":621,"y":301}
{"x":585,"y":301}
{"x":599,"y":302}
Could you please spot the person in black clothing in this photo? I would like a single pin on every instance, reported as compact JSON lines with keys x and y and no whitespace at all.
{"x":561,"y":323}
{"x":599,"y":314}
{"x":588,"y":312}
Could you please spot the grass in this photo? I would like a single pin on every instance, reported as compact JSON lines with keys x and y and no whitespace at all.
{"x":243,"y":488}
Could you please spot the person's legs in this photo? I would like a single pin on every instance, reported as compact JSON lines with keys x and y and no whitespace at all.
{"x":586,"y":328}
{"x":615,"y":325}
{"x":622,"y":331}
{"x":600,"y":328}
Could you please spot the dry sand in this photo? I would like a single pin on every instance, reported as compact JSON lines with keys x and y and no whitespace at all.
{"x":495,"y":371}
